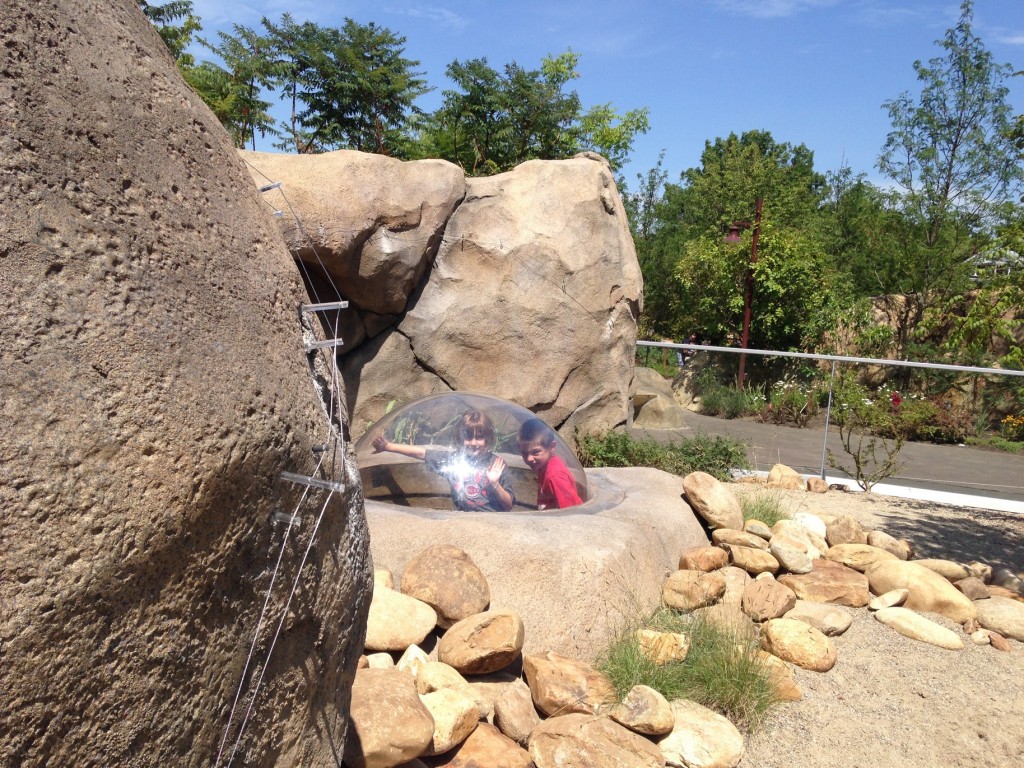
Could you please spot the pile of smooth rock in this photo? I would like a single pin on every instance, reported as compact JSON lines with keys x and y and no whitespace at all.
{"x":474,"y":700}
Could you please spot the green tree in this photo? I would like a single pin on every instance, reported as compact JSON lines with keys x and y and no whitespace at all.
{"x":177,"y":37}
{"x":952,"y":155}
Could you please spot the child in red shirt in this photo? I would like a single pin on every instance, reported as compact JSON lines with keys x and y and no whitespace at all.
{"x":556,"y":485}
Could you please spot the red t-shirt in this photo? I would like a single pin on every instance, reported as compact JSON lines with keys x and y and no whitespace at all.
{"x":557,"y":486}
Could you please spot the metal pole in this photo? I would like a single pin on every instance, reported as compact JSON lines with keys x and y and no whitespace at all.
{"x":748,"y":298}
{"x":828,"y":418}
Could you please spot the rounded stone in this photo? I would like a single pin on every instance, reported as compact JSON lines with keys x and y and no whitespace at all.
{"x":482,"y":643}
{"x":446,"y":578}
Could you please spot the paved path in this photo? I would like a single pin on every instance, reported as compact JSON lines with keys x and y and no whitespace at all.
{"x":950,"y":468}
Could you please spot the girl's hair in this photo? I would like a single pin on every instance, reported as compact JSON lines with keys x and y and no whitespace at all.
{"x":472,"y":421}
{"x":536,"y":431}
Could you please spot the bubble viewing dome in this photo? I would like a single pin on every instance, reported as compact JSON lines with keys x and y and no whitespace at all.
{"x":446,"y":452}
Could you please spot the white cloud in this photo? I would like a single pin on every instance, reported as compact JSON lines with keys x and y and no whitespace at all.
{"x":771,"y":8}
{"x":1011,"y":38}
{"x":442,"y":16}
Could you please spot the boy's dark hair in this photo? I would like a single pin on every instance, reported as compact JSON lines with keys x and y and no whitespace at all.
{"x":535,"y":431}
{"x":473,"y":420}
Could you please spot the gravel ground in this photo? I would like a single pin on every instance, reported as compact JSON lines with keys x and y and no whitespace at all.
{"x":891,"y":701}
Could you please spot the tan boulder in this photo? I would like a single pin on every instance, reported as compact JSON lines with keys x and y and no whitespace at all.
{"x":727,"y":536}
{"x":644,"y":711}
{"x":514,"y":713}
{"x":446,"y":578}
{"x":757,"y":528}
{"x":781,"y":676}
{"x":728,"y":618}
{"x":817,"y":485}
{"x":397,"y":621}
{"x":947,"y":569}
{"x":662,"y":647}
{"x":825,"y":617}
{"x":736,"y":580}
{"x":845,"y":530}
{"x":380,"y":661}
{"x":856,"y":556}
{"x":482,"y":643}
{"x":383,"y":577}
{"x":917,"y":627}
{"x":455,"y":716}
{"x":560,"y":685}
{"x":686,"y":590}
{"x":591,"y":741}
{"x":899,"y":547}
{"x":1002,"y":615}
{"x":973,"y":588}
{"x":891,"y":599}
{"x":753,"y":561}
{"x":703,"y":559}
{"x":786,"y":478}
{"x":813,"y":524}
{"x":790,"y":558}
{"x":701,"y":738}
{"x":413,"y":660}
{"x":798,"y":643}
{"x":795,"y":534}
{"x":713,"y":501}
{"x":654,"y":404}
{"x":998,"y":642}
{"x":486,"y":747}
{"x":980,"y":637}
{"x":435,"y":675}
{"x":929,"y":592}
{"x":390,"y":724}
{"x":767,"y":599}
{"x":829,"y":582}
{"x":982,"y":571}
{"x":489,"y":688}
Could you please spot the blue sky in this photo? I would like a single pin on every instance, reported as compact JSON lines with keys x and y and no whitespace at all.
{"x":809,"y":71}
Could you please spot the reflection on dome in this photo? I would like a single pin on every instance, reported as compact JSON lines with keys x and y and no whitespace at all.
{"x":468,"y":452}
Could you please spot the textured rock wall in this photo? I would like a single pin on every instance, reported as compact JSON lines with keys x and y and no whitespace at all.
{"x":152,"y":387}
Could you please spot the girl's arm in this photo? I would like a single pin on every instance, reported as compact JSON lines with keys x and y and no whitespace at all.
{"x":413,"y":451}
{"x":494,"y":476}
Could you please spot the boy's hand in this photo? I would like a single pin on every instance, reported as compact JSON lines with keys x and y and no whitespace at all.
{"x":379,"y":444}
{"x":494,"y":471}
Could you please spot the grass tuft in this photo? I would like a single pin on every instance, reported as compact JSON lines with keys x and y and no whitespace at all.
{"x":766,"y":507}
{"x":722,"y":670}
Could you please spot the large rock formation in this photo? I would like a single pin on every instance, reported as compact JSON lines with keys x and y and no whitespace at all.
{"x":529,"y":287}
{"x":153,"y":388}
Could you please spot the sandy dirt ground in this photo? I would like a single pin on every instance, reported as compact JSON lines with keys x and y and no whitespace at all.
{"x":893,"y":702}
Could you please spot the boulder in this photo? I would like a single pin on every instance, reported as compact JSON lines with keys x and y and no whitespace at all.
{"x":753,"y":561}
{"x":817,"y":485}
{"x":973,"y":588}
{"x":845,"y":530}
{"x":645,"y":711}
{"x":786,"y":478}
{"x":537,"y":253}
{"x":856,"y":556}
{"x":686,"y":590}
{"x":790,"y":558}
{"x":154,"y":387}
{"x":397,"y":621}
{"x":829,"y":582}
{"x":595,"y":742}
{"x":413,"y":660}
{"x":998,"y":642}
{"x":485,"y":747}
{"x":455,"y":716}
{"x":890,"y":599}
{"x":899,"y":547}
{"x":982,"y":571}
{"x":613,"y":550}
{"x":917,"y":627}
{"x":757,"y":528}
{"x":654,"y":403}
{"x":1002,"y":615}
{"x":728,"y":618}
{"x":729,"y":537}
{"x":482,"y":643}
{"x":446,"y":578}
{"x":390,"y":723}
{"x":662,"y":647}
{"x":514,"y":713}
{"x":798,"y":643}
{"x":560,"y":685}
{"x":812,"y":523}
{"x":781,"y":676}
{"x":380,"y":661}
{"x":713,"y":501}
{"x":947,"y":569}
{"x":703,"y":559}
{"x":384,"y":578}
{"x":767,"y":599}
{"x":736,"y":580}
{"x":794,"y":534}
{"x":700,"y":738}
{"x":825,"y":617}
{"x":929,"y":591}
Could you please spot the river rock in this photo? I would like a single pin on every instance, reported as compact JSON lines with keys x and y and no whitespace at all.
{"x":825,"y":617}
{"x":485,"y":747}
{"x":1002,"y":615}
{"x":817,"y":485}
{"x":917,"y":627}
{"x":736,"y":580}
{"x":728,"y":536}
{"x":644,"y":711}
{"x":794,"y":534}
{"x":947,"y":569}
{"x":757,"y":528}
{"x":384,"y":578}
{"x":390,"y":723}
{"x":700,"y":738}
{"x":560,"y":685}
{"x":973,"y":588}
{"x":767,"y":599}
{"x":380,"y":661}
{"x":413,"y":660}
{"x":455,"y":716}
{"x":829,"y":582}
{"x":798,"y":643}
{"x":812,"y":523}
{"x":482,"y":643}
{"x":446,"y":578}
{"x":899,"y":547}
{"x":845,"y":530}
{"x":981,"y":570}
{"x":781,"y":676}
{"x":890,"y":599}
{"x":514,"y":713}
{"x":397,"y":621}
{"x":856,"y":556}
{"x":790,"y":558}
{"x":753,"y":561}
{"x":713,"y":501}
{"x":662,"y":647}
{"x":786,"y":478}
{"x":703,"y":559}
{"x":686,"y":590}
{"x":998,"y":642}
{"x":595,"y":742}
{"x":929,"y":592}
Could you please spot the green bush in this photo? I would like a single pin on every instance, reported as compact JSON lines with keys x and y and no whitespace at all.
{"x":714,"y":454}
{"x":722,"y":670}
{"x":790,"y":400}
{"x":717,"y":399}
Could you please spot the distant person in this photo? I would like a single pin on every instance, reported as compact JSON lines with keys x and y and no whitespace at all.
{"x":556,"y":487}
{"x":686,"y":354}
{"x":478,"y":478}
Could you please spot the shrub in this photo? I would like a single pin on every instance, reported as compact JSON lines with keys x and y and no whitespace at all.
{"x":766,"y":507}
{"x":871,"y":431}
{"x":722,"y":670}
{"x":789,"y":400}
{"x":714,"y":454}
{"x":717,"y":399}
{"x":1012,"y":427}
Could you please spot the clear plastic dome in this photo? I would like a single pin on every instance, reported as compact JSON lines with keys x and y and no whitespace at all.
{"x":467,"y":451}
